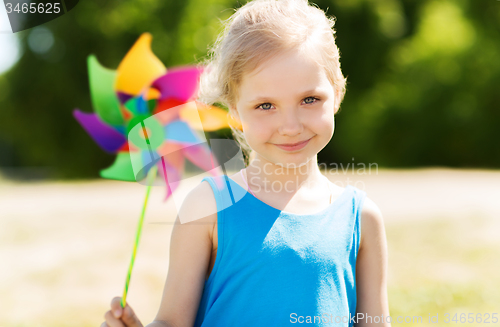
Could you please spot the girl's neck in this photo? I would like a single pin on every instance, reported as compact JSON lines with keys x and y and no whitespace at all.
{"x":263,"y":173}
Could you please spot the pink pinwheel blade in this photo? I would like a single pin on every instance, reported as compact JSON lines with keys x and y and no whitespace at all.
{"x":179,"y":83}
{"x":200,"y":155}
{"x":173,"y":176}
{"x":109,"y":139}
{"x":172,"y":152}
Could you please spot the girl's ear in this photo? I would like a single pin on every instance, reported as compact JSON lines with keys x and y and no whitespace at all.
{"x":234,"y":118}
{"x":234,"y":112}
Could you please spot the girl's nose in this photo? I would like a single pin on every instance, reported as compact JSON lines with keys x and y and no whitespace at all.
{"x":291,"y":123}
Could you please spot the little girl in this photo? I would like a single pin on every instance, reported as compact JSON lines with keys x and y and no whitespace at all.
{"x":295,"y":248}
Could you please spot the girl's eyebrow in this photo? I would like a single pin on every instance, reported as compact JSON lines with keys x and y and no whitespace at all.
{"x":265,"y":98}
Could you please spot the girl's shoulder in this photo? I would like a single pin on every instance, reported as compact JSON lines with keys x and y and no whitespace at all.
{"x":199,"y":205}
{"x":205,"y":199}
{"x":372,"y":223}
{"x":371,"y":219}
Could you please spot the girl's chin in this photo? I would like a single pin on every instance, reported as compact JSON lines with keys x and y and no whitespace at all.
{"x":294,"y":160}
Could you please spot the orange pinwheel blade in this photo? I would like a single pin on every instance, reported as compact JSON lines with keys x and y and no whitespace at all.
{"x":202,"y":117}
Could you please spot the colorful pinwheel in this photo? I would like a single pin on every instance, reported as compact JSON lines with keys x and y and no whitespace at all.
{"x":149,"y":118}
{"x":139,"y":93}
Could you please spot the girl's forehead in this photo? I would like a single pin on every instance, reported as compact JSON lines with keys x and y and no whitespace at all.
{"x":290,"y":60}
{"x":291,"y":70}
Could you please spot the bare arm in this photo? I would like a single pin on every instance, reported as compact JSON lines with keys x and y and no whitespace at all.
{"x":371,"y":268}
{"x":190,"y":252}
{"x":157,"y":323}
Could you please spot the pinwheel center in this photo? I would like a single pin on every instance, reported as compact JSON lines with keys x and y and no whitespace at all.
{"x":145,"y":132}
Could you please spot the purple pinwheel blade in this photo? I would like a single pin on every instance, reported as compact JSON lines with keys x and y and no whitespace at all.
{"x":123,"y":97}
{"x":108,"y":138}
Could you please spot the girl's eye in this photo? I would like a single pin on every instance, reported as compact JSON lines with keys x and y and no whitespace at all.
{"x":265,"y":106}
{"x":310,"y":100}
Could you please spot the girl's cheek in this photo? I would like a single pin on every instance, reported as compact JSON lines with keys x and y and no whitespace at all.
{"x":259,"y":129}
{"x":327,"y":117}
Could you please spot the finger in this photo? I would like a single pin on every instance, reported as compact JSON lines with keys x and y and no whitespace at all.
{"x":104,"y":324}
{"x":129,"y":317}
{"x":116,"y":307}
{"x":112,"y":321}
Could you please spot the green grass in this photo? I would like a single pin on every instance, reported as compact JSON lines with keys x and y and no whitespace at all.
{"x":441,"y":266}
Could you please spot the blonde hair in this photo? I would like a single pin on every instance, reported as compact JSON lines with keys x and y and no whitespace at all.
{"x":257,"y":31}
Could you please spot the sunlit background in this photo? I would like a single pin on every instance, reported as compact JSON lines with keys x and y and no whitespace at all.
{"x":422,"y":103}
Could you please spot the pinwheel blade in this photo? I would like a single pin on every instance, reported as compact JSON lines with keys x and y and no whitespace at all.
{"x":200,"y":155}
{"x":172,"y":151}
{"x":109,"y":139}
{"x":139,"y":68}
{"x":122,"y":167}
{"x":137,"y":106}
{"x":172,"y":178}
{"x":179,"y":131}
{"x":203,"y":117}
{"x":102,"y":92}
{"x":180,"y":83}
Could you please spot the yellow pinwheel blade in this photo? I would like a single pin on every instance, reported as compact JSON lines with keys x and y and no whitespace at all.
{"x":139,"y":68}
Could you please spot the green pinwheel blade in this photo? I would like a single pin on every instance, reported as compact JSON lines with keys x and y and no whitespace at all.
{"x":122,"y":168}
{"x":102,"y":91}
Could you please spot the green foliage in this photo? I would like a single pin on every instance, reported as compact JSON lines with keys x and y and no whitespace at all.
{"x":41,"y":91}
{"x":422,"y":83}
{"x":422,"y":79}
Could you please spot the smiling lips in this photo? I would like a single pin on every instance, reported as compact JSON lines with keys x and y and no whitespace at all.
{"x":293,"y":146}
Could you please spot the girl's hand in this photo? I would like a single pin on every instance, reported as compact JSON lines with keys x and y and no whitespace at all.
{"x":120,"y":317}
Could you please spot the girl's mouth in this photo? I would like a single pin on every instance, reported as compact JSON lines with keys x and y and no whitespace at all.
{"x":293,"y":146}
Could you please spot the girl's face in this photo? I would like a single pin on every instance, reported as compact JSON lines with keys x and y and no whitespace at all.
{"x":286,"y":108}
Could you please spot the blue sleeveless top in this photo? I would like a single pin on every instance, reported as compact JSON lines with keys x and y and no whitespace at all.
{"x":275,"y":268}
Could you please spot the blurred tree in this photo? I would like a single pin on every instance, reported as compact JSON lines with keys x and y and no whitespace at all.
{"x":423,"y":83}
{"x":422,"y":78}
{"x":45,"y":86}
